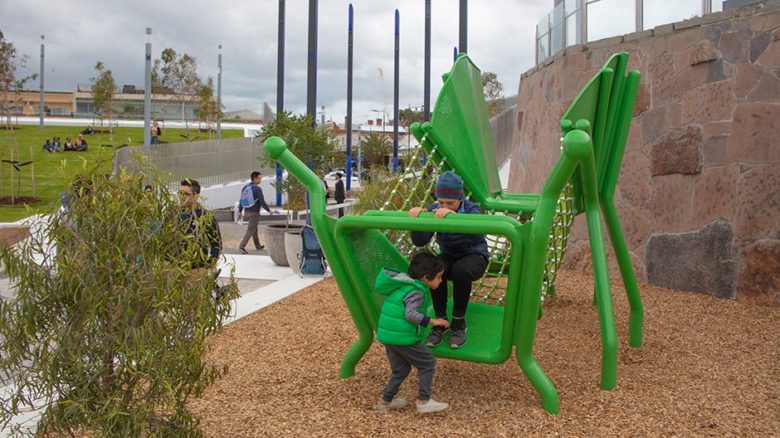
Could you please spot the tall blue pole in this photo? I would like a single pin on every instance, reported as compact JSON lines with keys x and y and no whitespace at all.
{"x":41,"y":106}
{"x":464,"y":27}
{"x":311,"y":77}
{"x":395,"y":91}
{"x":219,"y":93}
{"x":349,"y":98}
{"x":427,"y":74}
{"x":454,"y":54}
{"x":148,"y":89}
{"x":279,"y":90}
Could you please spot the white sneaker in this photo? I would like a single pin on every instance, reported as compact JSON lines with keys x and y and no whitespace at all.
{"x":431,"y":406}
{"x":396,"y":403}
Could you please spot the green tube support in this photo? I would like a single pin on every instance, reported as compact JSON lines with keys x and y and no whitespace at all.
{"x":276,"y":148}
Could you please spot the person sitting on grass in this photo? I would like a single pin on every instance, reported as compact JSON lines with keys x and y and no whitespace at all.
{"x":81,"y":144}
{"x":47,"y":146}
{"x":401,"y":321}
{"x":68,"y":146}
{"x":465,"y":258}
{"x":56,"y":146}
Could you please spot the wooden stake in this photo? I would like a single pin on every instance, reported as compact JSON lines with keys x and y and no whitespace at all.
{"x":32,"y":171}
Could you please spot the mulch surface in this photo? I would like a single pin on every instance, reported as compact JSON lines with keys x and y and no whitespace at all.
{"x":708,"y":367}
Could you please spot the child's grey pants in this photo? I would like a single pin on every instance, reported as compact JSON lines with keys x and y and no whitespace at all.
{"x":401,"y":361}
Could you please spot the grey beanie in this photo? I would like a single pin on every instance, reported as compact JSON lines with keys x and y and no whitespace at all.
{"x":449,"y":186}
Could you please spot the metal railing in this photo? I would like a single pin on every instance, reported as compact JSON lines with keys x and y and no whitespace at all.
{"x":211,"y":162}
{"x":578,"y":21}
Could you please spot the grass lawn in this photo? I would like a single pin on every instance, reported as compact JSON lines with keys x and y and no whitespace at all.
{"x":52,"y":171}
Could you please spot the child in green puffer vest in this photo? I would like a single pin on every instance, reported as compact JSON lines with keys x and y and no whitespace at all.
{"x":400,"y":329}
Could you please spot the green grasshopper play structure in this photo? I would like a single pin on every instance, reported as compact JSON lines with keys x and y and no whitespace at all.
{"x":527,"y":232}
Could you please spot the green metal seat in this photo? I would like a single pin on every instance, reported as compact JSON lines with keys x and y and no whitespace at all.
{"x":529,"y":231}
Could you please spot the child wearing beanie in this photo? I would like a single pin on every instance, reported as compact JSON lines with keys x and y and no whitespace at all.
{"x":465,"y":258}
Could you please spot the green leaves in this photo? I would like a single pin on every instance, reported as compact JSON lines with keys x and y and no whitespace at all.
{"x":107,"y":329}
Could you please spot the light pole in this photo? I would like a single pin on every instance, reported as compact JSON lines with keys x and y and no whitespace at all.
{"x":41,"y":104}
{"x":219,"y":94}
{"x":350,"y":39}
{"x":148,"y":89}
{"x":279,"y":91}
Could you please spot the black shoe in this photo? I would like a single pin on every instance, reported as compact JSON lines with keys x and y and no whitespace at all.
{"x":436,"y":336}
{"x":261,"y":247}
{"x":243,"y":251}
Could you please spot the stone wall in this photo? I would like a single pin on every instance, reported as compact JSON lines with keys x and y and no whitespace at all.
{"x":699,"y":191}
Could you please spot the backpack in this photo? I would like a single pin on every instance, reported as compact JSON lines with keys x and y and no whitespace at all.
{"x":247,"y":196}
{"x":312,"y":259}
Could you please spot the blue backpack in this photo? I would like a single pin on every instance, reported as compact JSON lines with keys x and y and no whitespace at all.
{"x":247,"y":196}
{"x":312,"y":259}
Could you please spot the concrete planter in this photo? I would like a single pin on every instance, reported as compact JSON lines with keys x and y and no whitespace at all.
{"x":292,"y":248}
{"x":274,"y":241}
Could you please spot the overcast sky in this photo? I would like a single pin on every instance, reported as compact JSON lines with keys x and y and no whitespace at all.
{"x":81,"y":32}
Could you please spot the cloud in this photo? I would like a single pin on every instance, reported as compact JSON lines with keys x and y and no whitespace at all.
{"x":81,"y":32}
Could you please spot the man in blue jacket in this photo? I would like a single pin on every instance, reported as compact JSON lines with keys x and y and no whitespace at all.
{"x":465,"y":258}
{"x":252,"y":214}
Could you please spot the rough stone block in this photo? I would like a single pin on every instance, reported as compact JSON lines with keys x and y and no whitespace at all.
{"x":642,"y":99}
{"x":710,"y":102}
{"x":677,"y":152}
{"x":759,"y":44}
{"x":747,"y":77}
{"x":714,"y":194}
{"x":576,"y":48}
{"x":733,"y":47}
{"x":759,"y":279}
{"x":767,"y":89}
{"x":606,"y":42}
{"x":703,"y":51}
{"x":663,"y":29}
{"x":771,"y":56}
{"x":687,"y":24}
{"x":638,"y":35}
{"x":757,"y":205}
{"x":700,"y":261}
{"x":634,"y":183}
{"x":754,"y":133}
{"x":578,"y":258}
{"x":653,"y":123}
{"x":715,"y":150}
{"x":672,"y":195}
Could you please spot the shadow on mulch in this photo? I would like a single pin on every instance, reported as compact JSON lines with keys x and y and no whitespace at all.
{"x":707,"y":367}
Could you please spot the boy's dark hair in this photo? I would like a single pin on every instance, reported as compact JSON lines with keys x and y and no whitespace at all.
{"x":254,"y":175}
{"x":191,"y":183}
{"x":425,"y":265}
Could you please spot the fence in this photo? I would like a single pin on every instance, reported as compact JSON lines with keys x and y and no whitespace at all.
{"x":211,"y":162}
{"x":503,"y":131}
{"x":579,"y":21}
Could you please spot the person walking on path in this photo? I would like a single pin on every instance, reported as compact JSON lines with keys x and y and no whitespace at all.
{"x":340,"y":194}
{"x":251,"y":201}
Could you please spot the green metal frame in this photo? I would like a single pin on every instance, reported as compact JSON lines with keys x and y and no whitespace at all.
{"x":584,"y":160}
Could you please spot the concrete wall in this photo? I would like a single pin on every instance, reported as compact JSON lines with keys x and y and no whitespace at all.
{"x":699,"y":191}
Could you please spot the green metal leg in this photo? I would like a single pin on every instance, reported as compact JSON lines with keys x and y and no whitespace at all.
{"x":355,"y":353}
{"x":636,"y":316}
{"x":539,"y":379}
{"x":601,"y":274}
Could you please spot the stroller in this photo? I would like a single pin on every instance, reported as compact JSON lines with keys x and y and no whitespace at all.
{"x":312,"y":259}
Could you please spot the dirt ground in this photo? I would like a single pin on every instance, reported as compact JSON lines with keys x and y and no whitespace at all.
{"x":708,"y":367}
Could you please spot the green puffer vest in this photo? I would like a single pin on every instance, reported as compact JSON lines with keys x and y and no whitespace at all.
{"x":393,"y":328}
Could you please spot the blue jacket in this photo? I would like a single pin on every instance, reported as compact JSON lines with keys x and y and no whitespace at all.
{"x":455,"y":244}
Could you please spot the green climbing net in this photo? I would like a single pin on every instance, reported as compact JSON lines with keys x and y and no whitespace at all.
{"x":415,"y":188}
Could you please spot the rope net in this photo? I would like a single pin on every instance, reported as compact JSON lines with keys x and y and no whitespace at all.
{"x":416,"y":188}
